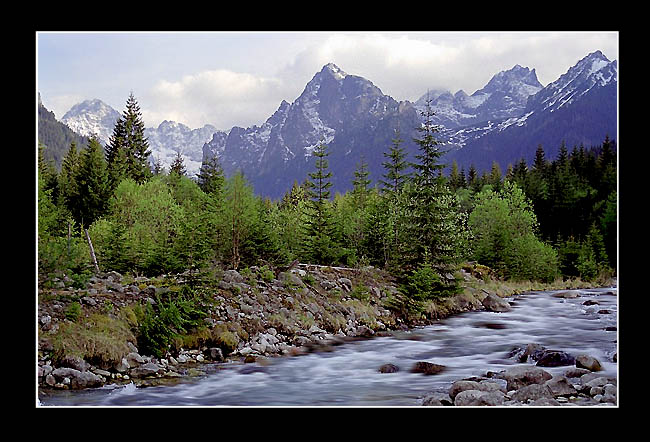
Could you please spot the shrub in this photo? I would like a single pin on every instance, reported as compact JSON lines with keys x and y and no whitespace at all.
{"x":162,"y":324}
{"x":73,"y":311}
{"x":360,"y":292}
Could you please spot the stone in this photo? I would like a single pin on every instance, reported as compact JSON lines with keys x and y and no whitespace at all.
{"x":427,"y":368}
{"x":76,"y":379}
{"x":479,"y":398}
{"x":215,"y":354}
{"x":345,"y":283}
{"x":388,"y":368}
{"x":147,"y":369}
{"x":520,"y":376}
{"x":560,"y":386}
{"x":134,"y":359}
{"x":597,"y":382}
{"x":576,"y":372}
{"x":588,"y":362}
{"x":75,"y":362}
{"x":569,"y":294}
{"x":437,"y":400}
{"x":532,"y":392}
{"x":494,"y":303}
{"x":555,"y":358}
{"x":232,"y":276}
{"x":88,"y":300}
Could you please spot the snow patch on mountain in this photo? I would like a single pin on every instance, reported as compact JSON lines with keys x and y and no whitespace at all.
{"x":92,"y":117}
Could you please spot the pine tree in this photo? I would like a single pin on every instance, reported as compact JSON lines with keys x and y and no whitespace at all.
{"x":427,"y":192}
{"x":396,"y":164}
{"x":318,"y":227}
{"x":428,"y":169}
{"x":178,"y":165}
{"x":455,"y":177}
{"x":92,"y":181}
{"x":473,"y":180}
{"x":361,"y":181}
{"x":211,"y":177}
{"x":127,"y":152}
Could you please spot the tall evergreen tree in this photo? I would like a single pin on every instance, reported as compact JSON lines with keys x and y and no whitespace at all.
{"x":318,"y":245}
{"x":426,"y":208}
{"x":361,"y":181}
{"x":127,"y":152}
{"x":211,"y":177}
{"x":68,"y":187}
{"x":394,"y":178}
{"x":178,"y":165}
{"x":92,"y":181}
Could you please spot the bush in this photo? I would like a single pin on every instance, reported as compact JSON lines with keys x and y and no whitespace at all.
{"x":424,"y":284}
{"x":73,"y":311}
{"x":168,"y":320}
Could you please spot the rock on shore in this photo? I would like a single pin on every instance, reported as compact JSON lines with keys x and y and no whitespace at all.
{"x":529,"y":385}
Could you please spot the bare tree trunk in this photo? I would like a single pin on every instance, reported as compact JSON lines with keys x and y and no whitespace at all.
{"x":92,"y":251}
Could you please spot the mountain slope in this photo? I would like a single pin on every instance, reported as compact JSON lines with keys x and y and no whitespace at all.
{"x":504,"y":96}
{"x":92,"y":117}
{"x":56,"y":136}
{"x":580,"y":107}
{"x":346,"y":112}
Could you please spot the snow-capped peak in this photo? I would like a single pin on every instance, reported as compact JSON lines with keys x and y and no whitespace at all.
{"x":92,"y":117}
{"x":593,"y":70}
{"x":335,"y":71}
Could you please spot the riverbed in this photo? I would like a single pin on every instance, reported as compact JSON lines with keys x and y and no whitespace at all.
{"x":467,"y":344}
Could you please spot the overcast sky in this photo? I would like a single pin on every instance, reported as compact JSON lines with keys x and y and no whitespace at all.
{"x":227,"y":79}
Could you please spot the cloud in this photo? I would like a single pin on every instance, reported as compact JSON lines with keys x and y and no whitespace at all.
{"x":403,"y":65}
{"x":220,"y":97}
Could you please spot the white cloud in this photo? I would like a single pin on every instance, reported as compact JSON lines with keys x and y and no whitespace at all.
{"x":406,"y":65}
{"x":220,"y":97}
{"x":403,"y":65}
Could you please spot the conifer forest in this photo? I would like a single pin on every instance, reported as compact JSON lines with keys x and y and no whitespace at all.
{"x":108,"y":209}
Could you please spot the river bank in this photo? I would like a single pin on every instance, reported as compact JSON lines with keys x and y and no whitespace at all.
{"x":253,"y":316}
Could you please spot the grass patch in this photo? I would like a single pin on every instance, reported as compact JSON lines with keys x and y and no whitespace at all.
{"x":100,"y":340}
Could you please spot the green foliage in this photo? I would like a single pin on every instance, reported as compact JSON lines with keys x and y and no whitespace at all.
{"x":318,"y":245}
{"x":73,"y":311}
{"x":167,"y":320}
{"x":127,"y":152}
{"x":503,"y":225}
{"x":100,"y":339}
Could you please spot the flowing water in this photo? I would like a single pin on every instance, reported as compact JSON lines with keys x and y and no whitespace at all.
{"x":468,"y":344}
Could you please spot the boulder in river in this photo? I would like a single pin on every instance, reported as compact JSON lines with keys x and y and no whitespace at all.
{"x":555,"y":358}
{"x":427,"y":368}
{"x":588,"y":362}
{"x":388,"y":368}
{"x":494,"y":303}
{"x":568,"y":294}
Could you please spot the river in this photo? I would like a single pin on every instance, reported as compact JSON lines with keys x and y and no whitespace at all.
{"x":468,"y":344}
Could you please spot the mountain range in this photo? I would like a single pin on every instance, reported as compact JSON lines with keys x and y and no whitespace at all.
{"x":504,"y":121}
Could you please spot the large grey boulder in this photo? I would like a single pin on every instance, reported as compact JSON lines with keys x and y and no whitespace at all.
{"x":479,"y":398}
{"x":494,"y":303}
{"x":523,"y":375}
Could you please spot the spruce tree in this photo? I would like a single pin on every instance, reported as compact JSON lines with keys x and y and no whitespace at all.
{"x":395,"y":177}
{"x":211,"y":177}
{"x":318,"y":227}
{"x":127,"y":152}
{"x":68,"y":187}
{"x":178,"y":165}
{"x":427,"y":193}
{"x":92,"y":181}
